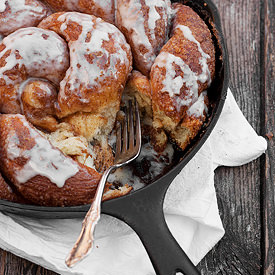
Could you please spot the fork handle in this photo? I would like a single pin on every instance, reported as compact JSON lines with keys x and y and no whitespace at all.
{"x":85,"y":240}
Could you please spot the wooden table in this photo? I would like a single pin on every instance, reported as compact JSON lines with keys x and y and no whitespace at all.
{"x":246,"y":194}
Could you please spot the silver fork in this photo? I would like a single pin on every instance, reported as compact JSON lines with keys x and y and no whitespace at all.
{"x":128,"y":144}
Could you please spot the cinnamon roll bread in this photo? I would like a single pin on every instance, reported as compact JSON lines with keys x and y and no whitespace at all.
{"x":180,"y":76}
{"x":64,"y":71}
{"x":90,"y":93}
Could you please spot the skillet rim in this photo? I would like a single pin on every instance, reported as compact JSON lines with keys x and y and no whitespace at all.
{"x":79,"y":211}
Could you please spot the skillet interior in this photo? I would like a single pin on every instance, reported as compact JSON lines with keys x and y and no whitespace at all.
{"x":217,"y":94}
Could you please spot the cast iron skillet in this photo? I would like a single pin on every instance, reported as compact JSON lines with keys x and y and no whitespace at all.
{"x":143,"y":209}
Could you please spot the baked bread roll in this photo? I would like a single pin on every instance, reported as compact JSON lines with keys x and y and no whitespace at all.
{"x":41,"y":173}
{"x":32,"y":63}
{"x":90,"y":77}
{"x":89,"y":95}
{"x":16,"y":14}
{"x":181,"y":72}
{"x":145,"y":25}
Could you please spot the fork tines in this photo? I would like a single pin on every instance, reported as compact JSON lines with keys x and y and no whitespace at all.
{"x":128,"y":131}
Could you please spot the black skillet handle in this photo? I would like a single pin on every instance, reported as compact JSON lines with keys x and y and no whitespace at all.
{"x":143,"y":211}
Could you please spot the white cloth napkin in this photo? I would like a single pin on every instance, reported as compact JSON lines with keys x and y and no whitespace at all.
{"x":190,"y":208}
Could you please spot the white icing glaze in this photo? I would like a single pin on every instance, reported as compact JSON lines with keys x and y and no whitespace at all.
{"x":125,"y":176}
{"x":133,"y":20}
{"x":42,"y":159}
{"x":21,"y":14}
{"x":13,"y":148}
{"x":153,"y":16}
{"x":105,"y":5}
{"x":2,"y":5}
{"x":88,"y":75}
{"x":205,"y":75}
{"x":43,"y":54}
{"x":90,"y":162}
{"x":157,"y":162}
{"x":155,"y":159}
{"x":173,"y":84}
{"x":199,"y":107}
{"x":20,"y":5}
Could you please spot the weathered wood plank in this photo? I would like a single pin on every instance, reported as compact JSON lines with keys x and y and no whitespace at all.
{"x":269,"y":128}
{"x":239,"y":251}
{"x":239,"y":188}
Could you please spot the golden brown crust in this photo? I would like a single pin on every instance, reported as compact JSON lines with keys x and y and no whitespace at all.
{"x":186,"y":131}
{"x":181,"y":47}
{"x":139,"y":82}
{"x":189,"y":54}
{"x":78,"y":190}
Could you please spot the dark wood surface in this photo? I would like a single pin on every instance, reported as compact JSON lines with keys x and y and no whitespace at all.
{"x":246,"y":194}
{"x":268,"y":122}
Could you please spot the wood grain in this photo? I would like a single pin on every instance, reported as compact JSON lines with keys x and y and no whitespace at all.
{"x":13,"y":265}
{"x":245,"y":194}
{"x":268,"y":160}
{"x":239,"y":188}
